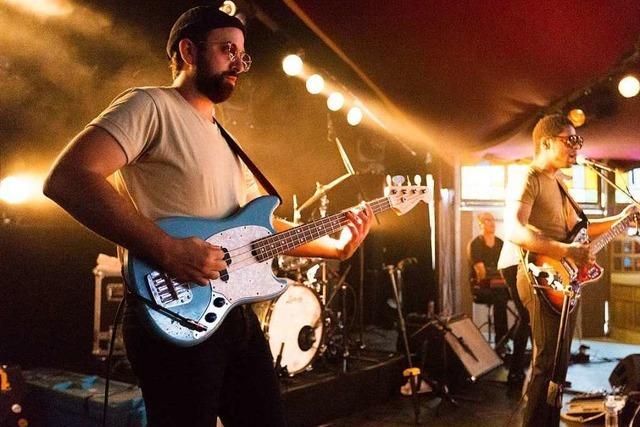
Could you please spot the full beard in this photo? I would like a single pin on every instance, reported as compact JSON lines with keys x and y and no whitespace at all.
{"x":214,"y":86}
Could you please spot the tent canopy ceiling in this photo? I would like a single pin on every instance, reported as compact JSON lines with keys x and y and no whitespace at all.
{"x":481,"y":73}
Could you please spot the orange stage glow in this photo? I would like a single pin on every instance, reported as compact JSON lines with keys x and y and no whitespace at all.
{"x":43,"y":7}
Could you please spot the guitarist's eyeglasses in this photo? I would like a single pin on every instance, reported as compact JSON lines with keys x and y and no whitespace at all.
{"x":571,"y":141}
{"x":232,"y":51}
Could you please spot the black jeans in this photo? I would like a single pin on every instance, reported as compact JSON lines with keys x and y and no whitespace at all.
{"x":544,"y":329}
{"x":230,"y":375}
{"x":499,"y":297}
{"x":522,"y":330}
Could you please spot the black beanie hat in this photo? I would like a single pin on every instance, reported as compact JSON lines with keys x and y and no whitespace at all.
{"x":199,"y":20}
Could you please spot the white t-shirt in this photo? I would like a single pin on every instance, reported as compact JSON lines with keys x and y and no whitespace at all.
{"x":178,"y":163}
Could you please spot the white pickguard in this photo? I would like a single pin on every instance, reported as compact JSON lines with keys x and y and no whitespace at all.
{"x":249,"y":281}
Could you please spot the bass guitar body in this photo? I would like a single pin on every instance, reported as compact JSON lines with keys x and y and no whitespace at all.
{"x":246,"y":280}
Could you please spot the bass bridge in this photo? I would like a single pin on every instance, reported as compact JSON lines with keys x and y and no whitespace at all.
{"x":166,"y":291}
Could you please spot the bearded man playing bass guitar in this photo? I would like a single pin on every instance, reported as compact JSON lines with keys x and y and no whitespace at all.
{"x":174,"y":160}
{"x":540,"y":218}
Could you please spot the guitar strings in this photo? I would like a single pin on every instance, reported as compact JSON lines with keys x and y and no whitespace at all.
{"x":287,"y":235}
{"x":240,"y":263}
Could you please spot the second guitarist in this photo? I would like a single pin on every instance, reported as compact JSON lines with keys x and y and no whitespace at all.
{"x":541,"y":217}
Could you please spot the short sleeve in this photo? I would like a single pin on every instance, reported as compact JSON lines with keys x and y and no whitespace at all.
{"x":133,"y":120}
{"x":475,"y":251}
{"x":525,"y":191}
{"x":251,"y":185}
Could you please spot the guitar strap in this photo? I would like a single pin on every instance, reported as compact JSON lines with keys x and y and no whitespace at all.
{"x":575,"y":206}
{"x":521,"y":252}
{"x":247,"y":161}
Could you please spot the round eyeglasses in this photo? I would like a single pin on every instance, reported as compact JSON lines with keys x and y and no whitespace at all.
{"x":232,"y":51}
{"x":571,"y":141}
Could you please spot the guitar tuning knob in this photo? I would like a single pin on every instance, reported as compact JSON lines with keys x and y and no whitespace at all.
{"x":417,"y":180}
{"x":398,"y":180}
{"x":388,"y":180}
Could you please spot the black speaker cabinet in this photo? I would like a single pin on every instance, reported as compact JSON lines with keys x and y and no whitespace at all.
{"x":454,"y":350}
{"x":626,"y":374}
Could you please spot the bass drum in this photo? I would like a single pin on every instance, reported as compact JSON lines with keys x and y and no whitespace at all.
{"x":294,"y":326}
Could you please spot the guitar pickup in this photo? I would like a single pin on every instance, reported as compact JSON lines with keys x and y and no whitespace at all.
{"x":226,"y":258}
{"x":166,"y":291}
{"x":224,"y":274}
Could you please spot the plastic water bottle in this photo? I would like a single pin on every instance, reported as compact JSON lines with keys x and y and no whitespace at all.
{"x":611,"y":414}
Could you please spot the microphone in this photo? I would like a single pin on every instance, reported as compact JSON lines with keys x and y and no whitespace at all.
{"x":581,"y":160}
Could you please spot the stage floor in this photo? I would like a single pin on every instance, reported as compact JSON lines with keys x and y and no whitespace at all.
{"x":488,"y":402}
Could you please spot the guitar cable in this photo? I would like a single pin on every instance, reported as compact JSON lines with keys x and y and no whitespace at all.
{"x":112,"y":342}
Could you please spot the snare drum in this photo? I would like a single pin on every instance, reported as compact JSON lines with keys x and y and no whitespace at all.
{"x":293,"y":325}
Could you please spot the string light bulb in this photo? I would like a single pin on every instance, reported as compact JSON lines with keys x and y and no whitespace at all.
{"x":335,"y":101}
{"x":577,"y":117}
{"x":315,"y":84}
{"x":292,"y":65}
{"x":629,"y":86}
{"x":354,"y":116}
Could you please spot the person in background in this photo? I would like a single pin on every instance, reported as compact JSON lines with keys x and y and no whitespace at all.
{"x":488,"y":286}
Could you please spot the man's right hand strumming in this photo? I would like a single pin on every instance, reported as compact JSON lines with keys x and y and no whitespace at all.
{"x":192,"y":260}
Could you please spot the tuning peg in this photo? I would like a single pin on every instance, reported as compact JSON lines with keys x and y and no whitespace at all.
{"x":398,"y":180}
{"x":417,"y":180}
{"x":388,"y":179}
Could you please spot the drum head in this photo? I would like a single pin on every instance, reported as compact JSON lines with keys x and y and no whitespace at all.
{"x":294,"y":328}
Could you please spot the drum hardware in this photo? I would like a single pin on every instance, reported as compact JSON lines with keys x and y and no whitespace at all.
{"x":329,"y":332}
{"x":293,"y":324}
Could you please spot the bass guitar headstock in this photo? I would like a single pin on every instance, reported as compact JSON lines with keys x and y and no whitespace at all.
{"x":403,"y":195}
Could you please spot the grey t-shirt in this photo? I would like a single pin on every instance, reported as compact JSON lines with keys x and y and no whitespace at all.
{"x":178,"y":163}
{"x":551,"y":213}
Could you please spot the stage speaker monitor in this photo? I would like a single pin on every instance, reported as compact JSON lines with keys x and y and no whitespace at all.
{"x":466,"y":350}
{"x":467,"y":342}
{"x":626,"y":374}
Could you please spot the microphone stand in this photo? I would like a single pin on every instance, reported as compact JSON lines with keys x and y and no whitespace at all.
{"x":626,"y":192}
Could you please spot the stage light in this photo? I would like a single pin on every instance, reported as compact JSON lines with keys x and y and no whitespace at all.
{"x":315,"y":84}
{"x":335,"y":101}
{"x":44,"y":7}
{"x":354,"y":116}
{"x":19,"y":189}
{"x":629,"y":86}
{"x":292,"y":65}
{"x":229,"y":7}
{"x":577,"y":117}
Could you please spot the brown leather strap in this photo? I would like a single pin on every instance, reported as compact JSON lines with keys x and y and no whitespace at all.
{"x":247,"y":161}
{"x":577,"y":208}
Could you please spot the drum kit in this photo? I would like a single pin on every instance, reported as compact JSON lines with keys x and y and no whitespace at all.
{"x":308,"y":320}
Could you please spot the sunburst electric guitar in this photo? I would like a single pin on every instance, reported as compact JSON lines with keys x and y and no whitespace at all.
{"x":186,"y":314}
{"x":553,"y":277}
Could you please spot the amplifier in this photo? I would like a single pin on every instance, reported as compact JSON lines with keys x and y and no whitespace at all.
{"x":108,"y":292}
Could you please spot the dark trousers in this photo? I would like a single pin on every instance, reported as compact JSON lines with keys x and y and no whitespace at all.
{"x":498,"y":297}
{"x":230,"y":375}
{"x":544,"y":328}
{"x":522,"y":330}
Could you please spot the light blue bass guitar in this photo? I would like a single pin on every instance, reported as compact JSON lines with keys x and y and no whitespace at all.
{"x":186,"y":314}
